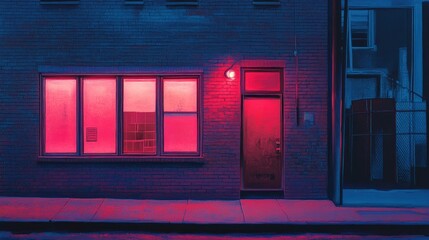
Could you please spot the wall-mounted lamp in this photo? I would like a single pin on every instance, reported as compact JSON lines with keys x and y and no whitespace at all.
{"x":230,"y":74}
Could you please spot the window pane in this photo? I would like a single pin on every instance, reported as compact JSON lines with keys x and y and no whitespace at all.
{"x":60,"y":115}
{"x":139,"y":116}
{"x":180,"y":132}
{"x":359,"y":19}
{"x":262,"y":81}
{"x":180,"y":95}
{"x":99,"y":116}
{"x":362,"y":27}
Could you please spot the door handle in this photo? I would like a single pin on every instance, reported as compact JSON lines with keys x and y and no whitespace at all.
{"x":278,"y":146}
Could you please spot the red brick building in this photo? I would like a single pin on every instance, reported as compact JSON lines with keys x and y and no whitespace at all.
{"x":165,"y":99}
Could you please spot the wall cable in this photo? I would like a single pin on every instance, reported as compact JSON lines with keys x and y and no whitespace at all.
{"x":295,"y":54}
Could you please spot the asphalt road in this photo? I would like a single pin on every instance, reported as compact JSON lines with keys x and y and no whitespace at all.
{"x":159,"y":236}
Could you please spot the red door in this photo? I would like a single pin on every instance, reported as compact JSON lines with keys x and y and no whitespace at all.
{"x":262,"y":166}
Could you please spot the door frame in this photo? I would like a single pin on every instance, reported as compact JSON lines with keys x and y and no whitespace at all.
{"x":262,"y":94}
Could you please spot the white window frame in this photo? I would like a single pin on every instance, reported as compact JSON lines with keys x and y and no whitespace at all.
{"x":371,"y":29}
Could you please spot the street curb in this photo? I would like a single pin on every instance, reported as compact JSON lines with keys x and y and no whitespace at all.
{"x":379,"y":229}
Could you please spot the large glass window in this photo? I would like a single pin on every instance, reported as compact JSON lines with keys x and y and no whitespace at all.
{"x":157,"y":115}
{"x":140,"y":115}
{"x":60,"y":115}
{"x":180,"y":115}
{"x":99,"y":115}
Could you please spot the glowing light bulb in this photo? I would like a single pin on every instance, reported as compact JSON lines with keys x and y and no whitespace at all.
{"x":230,"y":74}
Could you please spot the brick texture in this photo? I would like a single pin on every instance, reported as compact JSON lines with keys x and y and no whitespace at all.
{"x":211,"y":36}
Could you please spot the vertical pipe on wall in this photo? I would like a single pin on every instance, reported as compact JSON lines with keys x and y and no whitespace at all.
{"x":417,"y":70}
{"x":332,"y":58}
{"x":337,"y":76}
{"x":342,"y":81}
{"x":425,"y":26}
{"x":295,"y":54}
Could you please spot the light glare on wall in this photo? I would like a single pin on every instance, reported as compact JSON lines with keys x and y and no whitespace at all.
{"x":230,"y":74}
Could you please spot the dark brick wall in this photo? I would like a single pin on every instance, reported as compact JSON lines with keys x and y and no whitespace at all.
{"x":211,"y":36}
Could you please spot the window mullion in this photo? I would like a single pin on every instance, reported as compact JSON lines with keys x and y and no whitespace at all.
{"x":119,"y":115}
{"x":79,"y":111}
{"x":160,"y":116}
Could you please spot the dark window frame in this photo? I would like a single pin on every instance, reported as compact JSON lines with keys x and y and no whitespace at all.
{"x":80,"y":110}
{"x":42,"y":117}
{"x":263,"y":70}
{"x":162,"y":112}
{"x":119,"y":154}
{"x":121,"y":112}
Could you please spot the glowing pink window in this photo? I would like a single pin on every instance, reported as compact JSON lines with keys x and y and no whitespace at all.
{"x":99,"y":115}
{"x":139,"y":115}
{"x":60,"y":115}
{"x":262,"y":81}
{"x":180,"y":115}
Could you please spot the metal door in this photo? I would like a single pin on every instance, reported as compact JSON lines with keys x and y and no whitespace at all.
{"x":262,"y":167}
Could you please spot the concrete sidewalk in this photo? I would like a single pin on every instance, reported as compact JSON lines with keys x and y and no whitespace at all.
{"x":253,"y":213}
